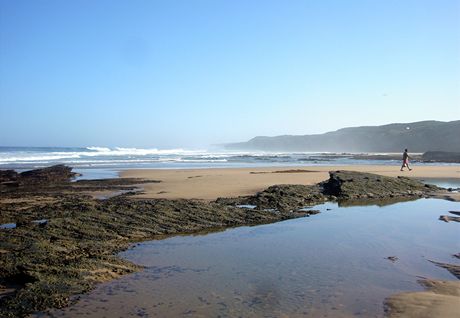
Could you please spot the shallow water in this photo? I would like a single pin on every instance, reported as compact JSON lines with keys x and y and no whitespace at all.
{"x":452,"y":183}
{"x":8,"y":226}
{"x":329,"y":265}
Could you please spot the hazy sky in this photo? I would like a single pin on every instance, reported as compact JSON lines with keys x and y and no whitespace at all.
{"x":191,"y":73}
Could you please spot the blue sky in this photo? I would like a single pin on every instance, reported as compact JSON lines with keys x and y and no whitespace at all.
{"x":192,"y":73}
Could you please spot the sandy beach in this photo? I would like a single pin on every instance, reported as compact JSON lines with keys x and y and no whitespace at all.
{"x":209,"y":184}
{"x":66,"y":229}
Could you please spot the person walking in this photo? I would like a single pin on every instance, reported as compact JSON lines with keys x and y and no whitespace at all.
{"x":405,"y":159}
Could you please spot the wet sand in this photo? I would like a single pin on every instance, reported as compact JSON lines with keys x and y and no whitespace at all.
{"x":441,"y":299}
{"x":210,"y":184}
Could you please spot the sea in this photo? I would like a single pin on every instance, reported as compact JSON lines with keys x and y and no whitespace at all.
{"x":105,"y":162}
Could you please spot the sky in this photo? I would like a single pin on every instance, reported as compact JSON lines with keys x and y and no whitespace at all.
{"x":191,"y":73}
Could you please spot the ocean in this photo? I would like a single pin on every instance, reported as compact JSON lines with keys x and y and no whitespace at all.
{"x":105,"y":162}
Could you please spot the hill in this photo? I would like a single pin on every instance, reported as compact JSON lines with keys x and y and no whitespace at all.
{"x":417,"y":137}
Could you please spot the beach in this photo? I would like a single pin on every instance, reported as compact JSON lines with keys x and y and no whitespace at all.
{"x":210,"y":184}
{"x":61,"y":237}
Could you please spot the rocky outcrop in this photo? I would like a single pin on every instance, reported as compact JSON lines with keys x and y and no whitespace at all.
{"x":53,"y":174}
{"x":286,"y":197}
{"x":46,"y":176}
{"x":441,"y":156}
{"x":345,"y":186}
{"x":359,"y":185}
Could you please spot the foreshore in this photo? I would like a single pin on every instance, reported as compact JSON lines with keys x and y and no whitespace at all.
{"x":63,"y":241}
{"x":210,"y":184}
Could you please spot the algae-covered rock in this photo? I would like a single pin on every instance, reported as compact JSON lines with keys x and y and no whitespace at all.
{"x":50,"y":176}
{"x":53,"y":174}
{"x":287,"y":197}
{"x":355,"y":185}
{"x":8,"y":176}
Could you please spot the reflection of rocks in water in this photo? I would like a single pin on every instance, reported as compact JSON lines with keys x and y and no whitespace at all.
{"x":377,"y":202}
{"x":452,"y":268}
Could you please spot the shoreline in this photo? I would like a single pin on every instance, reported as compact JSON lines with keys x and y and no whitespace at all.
{"x":81,"y":236}
{"x":211,"y":183}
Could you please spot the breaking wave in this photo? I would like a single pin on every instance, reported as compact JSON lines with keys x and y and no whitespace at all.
{"x":123,"y":157}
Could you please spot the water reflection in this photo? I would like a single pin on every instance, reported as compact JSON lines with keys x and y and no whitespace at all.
{"x":377,"y":202}
{"x":333,"y":264}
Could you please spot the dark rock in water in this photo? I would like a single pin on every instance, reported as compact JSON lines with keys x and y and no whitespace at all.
{"x":447,"y":218}
{"x":392,"y":258}
{"x":53,"y":174}
{"x":359,"y":185}
{"x":441,"y":156}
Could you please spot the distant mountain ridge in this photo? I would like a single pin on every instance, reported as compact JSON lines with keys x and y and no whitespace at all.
{"x":417,"y":137}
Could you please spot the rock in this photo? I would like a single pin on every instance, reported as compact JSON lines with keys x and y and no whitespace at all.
{"x":441,"y":156}
{"x":447,"y":218}
{"x":45,"y":177}
{"x":353,"y":185}
{"x":8,"y":176}
{"x":392,"y":258}
{"x":287,"y":197}
{"x":53,"y":174}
